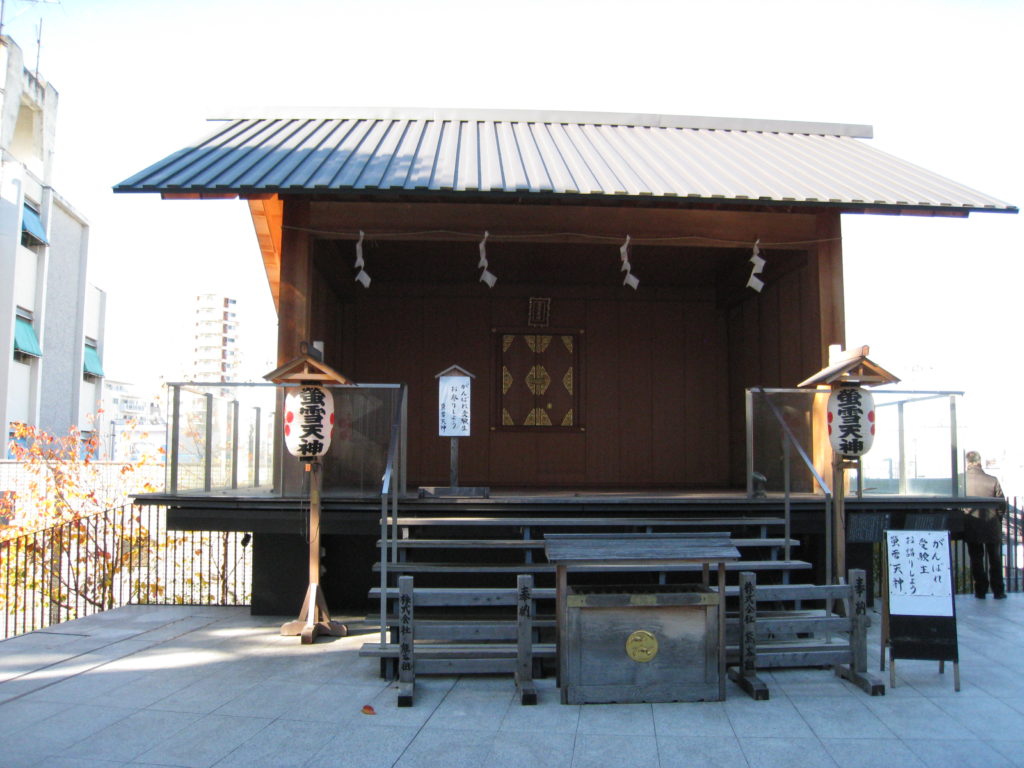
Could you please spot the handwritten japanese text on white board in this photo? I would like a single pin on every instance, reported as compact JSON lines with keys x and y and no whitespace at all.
{"x":453,"y":406}
{"x":920,"y":579}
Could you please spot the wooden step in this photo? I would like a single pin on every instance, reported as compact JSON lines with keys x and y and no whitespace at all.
{"x":465,"y":596}
{"x":740,"y":565}
{"x":792,"y":592}
{"x":588,"y":522}
{"x":465,"y":630}
{"x":800,"y":653}
{"x":456,"y":650}
{"x":539,"y":543}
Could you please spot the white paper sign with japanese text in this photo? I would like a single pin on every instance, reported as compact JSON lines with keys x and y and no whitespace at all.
{"x":920,"y":579}
{"x":453,"y":394}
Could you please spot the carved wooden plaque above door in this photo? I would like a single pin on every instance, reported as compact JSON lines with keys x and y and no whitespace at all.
{"x":539,"y":380}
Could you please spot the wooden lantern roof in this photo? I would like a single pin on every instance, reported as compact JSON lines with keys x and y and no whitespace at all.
{"x":306,"y":369}
{"x":852,"y":366}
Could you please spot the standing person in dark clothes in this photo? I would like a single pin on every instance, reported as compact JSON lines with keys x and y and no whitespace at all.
{"x":983,"y":532}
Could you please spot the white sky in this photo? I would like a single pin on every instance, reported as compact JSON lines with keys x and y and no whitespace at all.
{"x":937,"y":300}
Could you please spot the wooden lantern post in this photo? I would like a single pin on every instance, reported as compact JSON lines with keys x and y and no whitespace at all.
{"x":850,"y":427}
{"x":307,"y":374}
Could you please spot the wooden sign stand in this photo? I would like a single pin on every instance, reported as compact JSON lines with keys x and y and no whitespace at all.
{"x":919,"y":623}
{"x":461,"y":429}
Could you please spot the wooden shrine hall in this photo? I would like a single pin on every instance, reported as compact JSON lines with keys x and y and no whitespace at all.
{"x":615,"y":284}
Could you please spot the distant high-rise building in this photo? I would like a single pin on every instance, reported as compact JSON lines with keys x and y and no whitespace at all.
{"x":216,"y":352}
{"x":51,"y":319}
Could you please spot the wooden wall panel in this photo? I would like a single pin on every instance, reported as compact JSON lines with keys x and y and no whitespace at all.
{"x":670,"y":407}
{"x":636,"y":409}
{"x":604,"y":394}
{"x":663,"y":370}
{"x":767,"y":340}
{"x":792,"y":363}
{"x":707,"y":396}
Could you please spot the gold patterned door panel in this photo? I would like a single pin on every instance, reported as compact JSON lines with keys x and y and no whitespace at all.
{"x":539,"y":380}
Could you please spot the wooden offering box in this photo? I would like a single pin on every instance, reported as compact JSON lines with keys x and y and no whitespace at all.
{"x":640,"y":643}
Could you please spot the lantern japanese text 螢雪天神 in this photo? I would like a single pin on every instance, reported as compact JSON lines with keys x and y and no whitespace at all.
{"x":851,"y":421}
{"x":308,"y":421}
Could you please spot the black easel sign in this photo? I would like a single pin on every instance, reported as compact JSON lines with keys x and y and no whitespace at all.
{"x":920,"y":612}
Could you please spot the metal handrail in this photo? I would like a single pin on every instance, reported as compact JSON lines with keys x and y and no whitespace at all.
{"x":392,"y":478}
{"x":790,"y":440}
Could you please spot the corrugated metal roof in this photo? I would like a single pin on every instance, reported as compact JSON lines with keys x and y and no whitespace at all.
{"x":369,"y":152}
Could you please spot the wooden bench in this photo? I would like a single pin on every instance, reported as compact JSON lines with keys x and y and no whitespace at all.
{"x":461,"y":647}
{"x":801,"y":637}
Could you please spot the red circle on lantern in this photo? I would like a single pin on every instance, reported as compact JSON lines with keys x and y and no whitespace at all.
{"x":332,"y":418}
{"x":289,"y":416}
{"x":871,"y":415}
{"x":830,"y":417}
{"x":287,"y":430}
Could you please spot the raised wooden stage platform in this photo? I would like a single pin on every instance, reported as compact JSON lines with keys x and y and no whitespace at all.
{"x":351,"y":526}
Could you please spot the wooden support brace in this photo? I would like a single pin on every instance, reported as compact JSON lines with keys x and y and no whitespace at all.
{"x":406,"y":643}
{"x":856,"y":608}
{"x":525,"y":689}
{"x":745,"y":676}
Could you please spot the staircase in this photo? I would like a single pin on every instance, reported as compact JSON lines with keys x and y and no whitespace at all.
{"x":465,"y":568}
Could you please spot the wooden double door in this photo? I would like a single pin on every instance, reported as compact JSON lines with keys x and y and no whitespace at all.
{"x":540,"y":380}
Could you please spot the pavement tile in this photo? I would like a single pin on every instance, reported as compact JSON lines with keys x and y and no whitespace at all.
{"x":872,"y":753}
{"x":751,"y":719}
{"x":469,"y":708}
{"x":921,"y":717}
{"x":785,"y":752}
{"x":675,"y":750}
{"x":282,"y":744}
{"x":841,"y":718}
{"x":130,"y":737}
{"x":334,"y":703}
{"x":618,"y":719}
{"x":548,"y":715}
{"x":438,"y":748}
{"x":204,"y":742}
{"x":708,"y":718}
{"x":531,"y":749}
{"x":958,"y":753}
{"x":1013,"y":751}
{"x":53,"y":734}
{"x":598,"y":750}
{"x":365,"y":746}
{"x":270,"y":699}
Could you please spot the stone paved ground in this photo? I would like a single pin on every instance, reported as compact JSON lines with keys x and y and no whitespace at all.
{"x":186,"y":686}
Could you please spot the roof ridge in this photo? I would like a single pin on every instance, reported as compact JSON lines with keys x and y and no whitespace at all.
{"x":632,"y":119}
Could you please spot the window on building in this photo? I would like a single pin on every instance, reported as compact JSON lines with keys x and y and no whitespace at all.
{"x":92,"y":367}
{"x":26,"y":343}
{"x":33,"y":233}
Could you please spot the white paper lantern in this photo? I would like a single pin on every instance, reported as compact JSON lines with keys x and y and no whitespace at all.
{"x":851,"y":421}
{"x":308,"y":421}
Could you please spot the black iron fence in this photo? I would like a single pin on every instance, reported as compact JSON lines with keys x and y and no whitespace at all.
{"x":119,"y":557}
{"x":1012,"y":536}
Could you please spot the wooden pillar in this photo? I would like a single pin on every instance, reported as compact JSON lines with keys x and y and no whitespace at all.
{"x":829,"y":267}
{"x":828,"y":270}
{"x":296,"y":280}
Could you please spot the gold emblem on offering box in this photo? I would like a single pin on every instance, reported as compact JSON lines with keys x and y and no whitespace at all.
{"x":641,"y":645}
